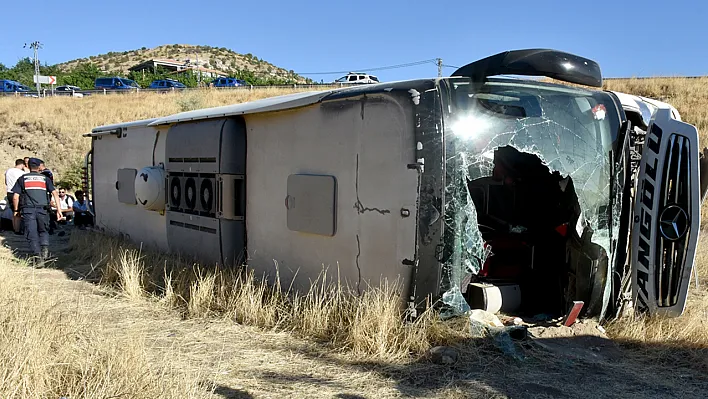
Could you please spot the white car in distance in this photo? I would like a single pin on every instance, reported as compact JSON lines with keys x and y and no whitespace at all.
{"x":357,"y":78}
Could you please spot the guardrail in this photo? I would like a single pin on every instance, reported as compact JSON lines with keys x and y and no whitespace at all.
{"x":50,"y":93}
{"x":323,"y":86}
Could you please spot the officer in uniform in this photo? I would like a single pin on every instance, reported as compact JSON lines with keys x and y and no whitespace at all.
{"x":31,"y":191}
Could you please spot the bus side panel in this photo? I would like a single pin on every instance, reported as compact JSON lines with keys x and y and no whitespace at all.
{"x":366,"y":144}
{"x":132,"y":151}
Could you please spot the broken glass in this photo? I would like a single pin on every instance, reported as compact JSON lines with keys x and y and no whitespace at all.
{"x":567,"y":128}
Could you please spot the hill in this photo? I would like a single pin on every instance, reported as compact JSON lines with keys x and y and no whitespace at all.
{"x":219,"y":58}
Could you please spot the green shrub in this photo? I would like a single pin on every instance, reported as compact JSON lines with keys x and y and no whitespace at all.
{"x":72,"y":177}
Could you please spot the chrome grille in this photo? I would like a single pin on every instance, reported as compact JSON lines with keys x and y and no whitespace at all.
{"x":673,"y":238}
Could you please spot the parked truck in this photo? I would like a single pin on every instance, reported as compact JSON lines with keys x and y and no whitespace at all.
{"x":472,"y":190}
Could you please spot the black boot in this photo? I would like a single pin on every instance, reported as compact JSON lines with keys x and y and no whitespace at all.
{"x":44,"y":255}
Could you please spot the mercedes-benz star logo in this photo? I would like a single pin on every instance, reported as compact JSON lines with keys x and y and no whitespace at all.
{"x":673,"y":222}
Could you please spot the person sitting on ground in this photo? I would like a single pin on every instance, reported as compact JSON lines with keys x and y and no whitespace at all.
{"x":11,"y":176}
{"x":66,"y":203}
{"x":82,"y":213}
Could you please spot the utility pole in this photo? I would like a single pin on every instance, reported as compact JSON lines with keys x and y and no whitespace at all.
{"x":440,"y":65}
{"x":35,"y":46}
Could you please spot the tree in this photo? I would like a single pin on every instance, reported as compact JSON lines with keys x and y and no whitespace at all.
{"x":144,"y":78}
{"x":83,"y":75}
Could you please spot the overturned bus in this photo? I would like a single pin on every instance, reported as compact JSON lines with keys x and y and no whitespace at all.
{"x":478,"y":191}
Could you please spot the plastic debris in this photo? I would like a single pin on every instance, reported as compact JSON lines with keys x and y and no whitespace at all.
{"x":455,"y":303}
{"x":483,"y":318}
{"x":573,"y":313}
{"x":485,"y":324}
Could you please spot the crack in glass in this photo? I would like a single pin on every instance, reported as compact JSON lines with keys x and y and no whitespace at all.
{"x":566,"y":131}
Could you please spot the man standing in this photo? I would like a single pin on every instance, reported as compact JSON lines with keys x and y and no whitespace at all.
{"x":45,"y":171}
{"x":52,"y":218}
{"x":11,"y":176}
{"x":30,"y":191}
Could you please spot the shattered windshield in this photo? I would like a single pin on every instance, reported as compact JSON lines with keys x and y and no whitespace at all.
{"x":564,"y":130}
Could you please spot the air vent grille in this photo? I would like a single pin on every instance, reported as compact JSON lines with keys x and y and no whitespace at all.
{"x":674,"y":220}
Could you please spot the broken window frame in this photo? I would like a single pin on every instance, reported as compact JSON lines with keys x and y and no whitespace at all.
{"x":458,"y":261}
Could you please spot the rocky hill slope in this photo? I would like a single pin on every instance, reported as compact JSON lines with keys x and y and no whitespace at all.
{"x":221,"y":59}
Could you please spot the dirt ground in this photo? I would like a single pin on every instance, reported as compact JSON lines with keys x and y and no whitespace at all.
{"x":245,"y":362}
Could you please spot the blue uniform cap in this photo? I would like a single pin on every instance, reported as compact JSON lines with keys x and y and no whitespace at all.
{"x":34,"y":162}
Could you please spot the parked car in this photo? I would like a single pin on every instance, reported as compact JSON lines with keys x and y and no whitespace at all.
{"x":357,"y":78}
{"x":115,"y":83}
{"x":166,"y":84}
{"x":228,"y":82}
{"x":68,"y":90}
{"x":11,"y":86}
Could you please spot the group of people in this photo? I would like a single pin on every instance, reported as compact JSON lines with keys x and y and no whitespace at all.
{"x":38,"y":206}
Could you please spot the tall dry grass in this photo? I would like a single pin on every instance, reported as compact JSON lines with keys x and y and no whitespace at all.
{"x":689,"y":96}
{"x":367,"y":325}
{"x":52,"y":128}
{"x":50,"y":347}
{"x":682,"y":340}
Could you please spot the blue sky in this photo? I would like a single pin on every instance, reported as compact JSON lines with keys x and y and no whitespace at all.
{"x":626,"y":37}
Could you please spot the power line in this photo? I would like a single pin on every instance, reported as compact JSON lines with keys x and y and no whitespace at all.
{"x":410,"y":64}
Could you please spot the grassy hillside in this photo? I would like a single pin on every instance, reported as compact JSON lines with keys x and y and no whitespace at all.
{"x":689,"y":96}
{"x":52,"y":128}
{"x":221,"y":59}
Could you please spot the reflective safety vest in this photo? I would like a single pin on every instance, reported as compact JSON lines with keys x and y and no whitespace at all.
{"x":34,"y":190}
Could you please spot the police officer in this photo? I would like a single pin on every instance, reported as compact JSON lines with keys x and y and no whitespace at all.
{"x":52,"y":217}
{"x":30,"y":191}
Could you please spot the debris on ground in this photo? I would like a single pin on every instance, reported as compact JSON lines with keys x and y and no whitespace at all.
{"x":486,"y":324}
{"x":582,"y":327}
{"x":516,"y":336}
{"x":443,"y":355}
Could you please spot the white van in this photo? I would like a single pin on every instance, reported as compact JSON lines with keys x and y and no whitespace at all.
{"x":357,"y":78}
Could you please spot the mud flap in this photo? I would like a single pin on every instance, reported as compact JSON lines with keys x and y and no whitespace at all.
{"x":666,"y":216}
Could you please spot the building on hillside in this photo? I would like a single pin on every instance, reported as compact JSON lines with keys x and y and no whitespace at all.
{"x":153,"y":64}
{"x":176,"y":67}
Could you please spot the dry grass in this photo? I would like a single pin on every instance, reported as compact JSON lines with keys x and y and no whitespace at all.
{"x":52,"y":128}
{"x":49,"y":348}
{"x":683,"y":340}
{"x":689,"y":96}
{"x":368,"y":325}
{"x":128,"y":343}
